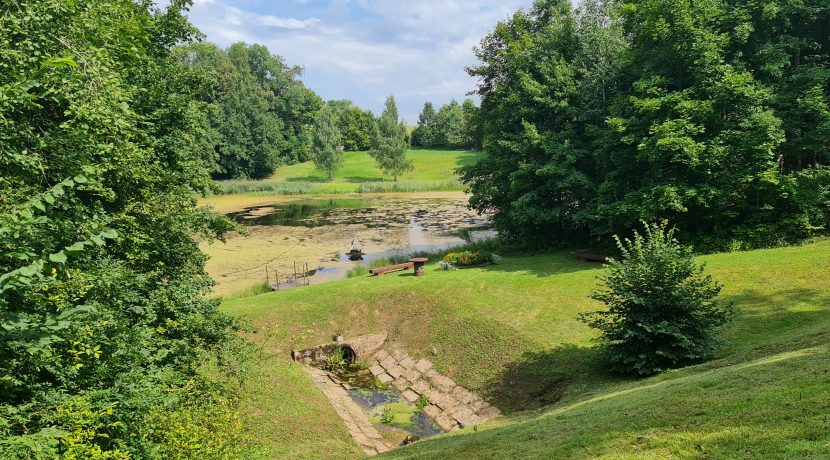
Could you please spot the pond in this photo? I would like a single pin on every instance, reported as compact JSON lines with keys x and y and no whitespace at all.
{"x":320,"y":231}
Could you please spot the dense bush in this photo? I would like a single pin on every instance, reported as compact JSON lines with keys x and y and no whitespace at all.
{"x":103,"y":318}
{"x":662,"y":309}
{"x":714,"y":115}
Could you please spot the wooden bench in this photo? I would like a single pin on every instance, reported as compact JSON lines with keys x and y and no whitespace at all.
{"x":586,"y":257}
{"x":391,"y":268}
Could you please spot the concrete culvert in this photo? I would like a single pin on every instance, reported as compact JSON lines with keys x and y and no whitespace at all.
{"x":349,"y":356}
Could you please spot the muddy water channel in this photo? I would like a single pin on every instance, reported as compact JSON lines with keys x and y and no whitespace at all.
{"x":319,"y":232}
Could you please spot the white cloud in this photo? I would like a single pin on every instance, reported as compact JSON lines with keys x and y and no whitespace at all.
{"x":287,"y":23}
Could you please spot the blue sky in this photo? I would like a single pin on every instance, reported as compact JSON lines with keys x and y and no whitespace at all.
{"x":364,"y":50}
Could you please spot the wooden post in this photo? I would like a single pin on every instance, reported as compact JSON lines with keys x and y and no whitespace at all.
{"x":277,"y":276}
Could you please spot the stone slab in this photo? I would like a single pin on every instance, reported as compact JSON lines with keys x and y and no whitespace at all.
{"x":410,"y":396}
{"x":407,"y":362}
{"x":376,"y":370}
{"x":385,"y":378}
{"x":412,"y":374}
{"x":445,"y":422}
{"x":396,"y":371}
{"x":432,"y":411}
{"x":421,"y":386}
{"x":423,"y":365}
{"x":401,"y":384}
{"x":389,"y":363}
{"x":442,"y":382}
{"x":381,"y":355}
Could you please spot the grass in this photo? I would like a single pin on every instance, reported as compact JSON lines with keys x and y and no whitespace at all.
{"x":434,"y":170}
{"x":510,"y":332}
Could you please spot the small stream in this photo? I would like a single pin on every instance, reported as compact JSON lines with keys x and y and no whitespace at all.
{"x":399,"y":421}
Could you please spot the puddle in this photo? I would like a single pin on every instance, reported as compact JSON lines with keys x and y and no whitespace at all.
{"x":399,"y":421}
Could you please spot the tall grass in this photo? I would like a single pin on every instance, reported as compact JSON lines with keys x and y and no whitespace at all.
{"x":387,"y":187}
{"x":230,"y":187}
{"x":250,"y":291}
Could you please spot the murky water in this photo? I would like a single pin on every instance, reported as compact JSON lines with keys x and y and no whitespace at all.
{"x":403,"y":420}
{"x":320,"y":231}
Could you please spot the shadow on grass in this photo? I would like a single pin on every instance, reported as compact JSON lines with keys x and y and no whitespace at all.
{"x":543,"y":264}
{"x":540,"y":379}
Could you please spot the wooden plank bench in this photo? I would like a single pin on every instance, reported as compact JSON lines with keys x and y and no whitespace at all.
{"x":391,"y":268}
{"x":587,"y":257}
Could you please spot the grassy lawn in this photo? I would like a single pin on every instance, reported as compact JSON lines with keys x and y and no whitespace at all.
{"x":510,"y":332}
{"x":434,"y":170}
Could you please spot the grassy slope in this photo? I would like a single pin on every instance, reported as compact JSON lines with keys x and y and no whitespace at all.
{"x":431,"y":167}
{"x":509,"y":331}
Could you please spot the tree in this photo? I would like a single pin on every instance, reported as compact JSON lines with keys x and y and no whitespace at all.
{"x":713,"y":115}
{"x":326,"y":148}
{"x":662,"y":308}
{"x":261,"y":110}
{"x":449,"y":125}
{"x":103,"y":315}
{"x":471,"y":134}
{"x":424,"y":134}
{"x":390,"y":144}
{"x":357,"y":127}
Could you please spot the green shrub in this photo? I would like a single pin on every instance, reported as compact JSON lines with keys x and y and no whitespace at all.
{"x":357,"y":270}
{"x":662,"y":311}
{"x":468,"y":258}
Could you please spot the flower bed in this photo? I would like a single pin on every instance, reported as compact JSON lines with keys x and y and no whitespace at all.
{"x":469,"y":258}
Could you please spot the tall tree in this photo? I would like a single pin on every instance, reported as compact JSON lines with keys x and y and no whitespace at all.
{"x":390,"y":144}
{"x":471,"y":133}
{"x":424,"y":134}
{"x":326,"y":150}
{"x":103,"y":314}
{"x":261,"y":110}
{"x":449,"y":127}
{"x":711,"y":114}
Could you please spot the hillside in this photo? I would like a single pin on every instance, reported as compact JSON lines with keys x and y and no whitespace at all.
{"x":764,"y":394}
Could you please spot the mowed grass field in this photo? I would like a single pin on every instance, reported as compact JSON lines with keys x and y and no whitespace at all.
{"x":510,"y":332}
{"x":433,"y":170}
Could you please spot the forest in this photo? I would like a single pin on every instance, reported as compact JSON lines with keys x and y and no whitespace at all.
{"x":713,"y":115}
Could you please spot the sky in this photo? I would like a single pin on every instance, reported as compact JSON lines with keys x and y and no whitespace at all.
{"x":365,"y":50}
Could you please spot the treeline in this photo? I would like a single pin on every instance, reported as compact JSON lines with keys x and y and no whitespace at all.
{"x":103,"y":319}
{"x":453,"y":126}
{"x":261,"y":115}
{"x":714,"y":115}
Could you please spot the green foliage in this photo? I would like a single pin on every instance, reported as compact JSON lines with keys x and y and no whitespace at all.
{"x":712,"y":115}
{"x":390,"y":145}
{"x":105,"y":141}
{"x":326,"y":150}
{"x":468,"y":258}
{"x":662,"y":309}
{"x":356,"y":271}
{"x":261,"y":114}
{"x":453,"y":126}
{"x":336,"y":360}
{"x":358,"y":128}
